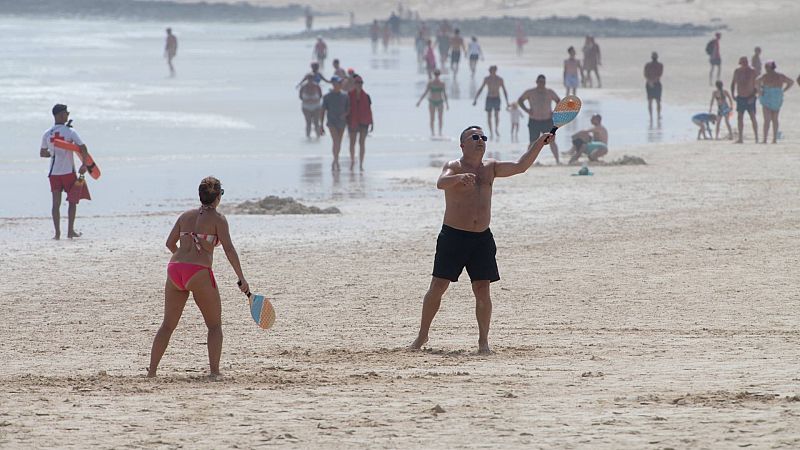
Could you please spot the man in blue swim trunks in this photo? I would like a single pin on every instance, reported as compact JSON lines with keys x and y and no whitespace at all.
{"x":465,"y":239}
{"x":493,"y":84}
{"x":652,"y":76}
{"x":743,"y":90}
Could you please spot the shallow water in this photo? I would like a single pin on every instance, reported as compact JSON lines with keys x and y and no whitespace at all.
{"x":233,"y":112}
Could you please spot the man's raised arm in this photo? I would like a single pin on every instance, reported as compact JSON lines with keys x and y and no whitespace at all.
{"x":508,"y":168}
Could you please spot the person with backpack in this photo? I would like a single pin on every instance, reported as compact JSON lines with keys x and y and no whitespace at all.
{"x":714,"y":58}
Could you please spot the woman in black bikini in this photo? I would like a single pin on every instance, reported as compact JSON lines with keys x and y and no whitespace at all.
{"x":189,"y":270}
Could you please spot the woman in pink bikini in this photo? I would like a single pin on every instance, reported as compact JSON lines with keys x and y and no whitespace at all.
{"x":189,"y":270}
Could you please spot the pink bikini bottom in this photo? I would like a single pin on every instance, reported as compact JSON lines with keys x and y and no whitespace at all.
{"x":180,"y":273}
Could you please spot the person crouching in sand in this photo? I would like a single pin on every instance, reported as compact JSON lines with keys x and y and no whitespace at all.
{"x":592,"y":142}
{"x":465,"y":239}
{"x":703,"y":121}
{"x":189,"y":270}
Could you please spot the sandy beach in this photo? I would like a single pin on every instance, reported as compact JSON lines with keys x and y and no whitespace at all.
{"x":647,"y":306}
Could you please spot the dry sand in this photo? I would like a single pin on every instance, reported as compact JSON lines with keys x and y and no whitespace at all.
{"x":646,"y":306}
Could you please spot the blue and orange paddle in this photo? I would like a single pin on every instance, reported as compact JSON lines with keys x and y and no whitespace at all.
{"x":566,"y":111}
{"x":260,"y":309}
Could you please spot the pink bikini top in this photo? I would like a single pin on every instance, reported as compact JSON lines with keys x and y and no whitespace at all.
{"x":198,"y":237}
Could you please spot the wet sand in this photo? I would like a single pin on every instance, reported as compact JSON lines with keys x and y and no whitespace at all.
{"x":648,"y":306}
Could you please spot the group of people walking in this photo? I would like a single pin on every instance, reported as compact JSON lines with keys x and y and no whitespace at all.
{"x":346,"y":107}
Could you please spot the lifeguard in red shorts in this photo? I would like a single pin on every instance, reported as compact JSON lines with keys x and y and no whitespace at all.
{"x":62,"y":169}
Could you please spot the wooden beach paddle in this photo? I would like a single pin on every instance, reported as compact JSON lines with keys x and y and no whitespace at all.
{"x":260,"y":309}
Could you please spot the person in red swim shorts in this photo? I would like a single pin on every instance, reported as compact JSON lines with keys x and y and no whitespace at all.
{"x":62,"y":169}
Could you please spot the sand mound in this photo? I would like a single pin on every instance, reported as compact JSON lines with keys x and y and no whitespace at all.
{"x":278,"y":205}
{"x":627,"y":160}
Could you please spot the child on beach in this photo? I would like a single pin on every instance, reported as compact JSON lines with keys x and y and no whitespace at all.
{"x":724,"y":101}
{"x":702,"y":121}
{"x":516,"y":116}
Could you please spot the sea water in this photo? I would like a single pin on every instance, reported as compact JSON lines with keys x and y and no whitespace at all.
{"x":233,"y":111}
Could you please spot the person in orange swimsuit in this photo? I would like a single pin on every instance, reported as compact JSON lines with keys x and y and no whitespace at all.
{"x":189,"y":270}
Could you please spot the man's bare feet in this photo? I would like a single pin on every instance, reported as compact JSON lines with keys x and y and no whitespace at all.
{"x":418,"y":343}
{"x":483,"y":349}
{"x":74,"y":234}
{"x":151,"y":373}
{"x":215,"y":376}
{"x":57,"y":237}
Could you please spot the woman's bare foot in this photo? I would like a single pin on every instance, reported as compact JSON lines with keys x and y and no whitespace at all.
{"x":57,"y":237}
{"x":483,"y":348}
{"x":151,"y":373}
{"x":74,"y":234}
{"x":418,"y":343}
{"x":215,"y":376}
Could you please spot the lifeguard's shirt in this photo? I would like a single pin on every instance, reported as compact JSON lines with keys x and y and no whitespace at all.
{"x":62,"y":161}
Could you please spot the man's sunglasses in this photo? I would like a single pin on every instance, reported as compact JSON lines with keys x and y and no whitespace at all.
{"x":475,"y":137}
{"x":221,"y":192}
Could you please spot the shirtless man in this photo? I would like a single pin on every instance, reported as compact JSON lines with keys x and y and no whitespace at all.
{"x":572,"y":67}
{"x":652,"y":76}
{"x":170,"y":50}
{"x":309,"y":18}
{"x":540,"y":112}
{"x":714,"y":57}
{"x":755,"y":61}
{"x":743,"y":89}
{"x":465,"y":239}
{"x":374,"y":35}
{"x":493,"y":84}
{"x":320,"y":51}
{"x":591,"y":61}
{"x":456,"y":47}
{"x":592,"y":142}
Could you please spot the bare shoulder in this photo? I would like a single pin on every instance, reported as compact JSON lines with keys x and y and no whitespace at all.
{"x":454,"y":165}
{"x":220,"y":217}
{"x":187,"y":214}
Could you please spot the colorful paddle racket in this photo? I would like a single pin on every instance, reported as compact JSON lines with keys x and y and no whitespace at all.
{"x":91,"y":166}
{"x":260,"y":309}
{"x":566,"y":110}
